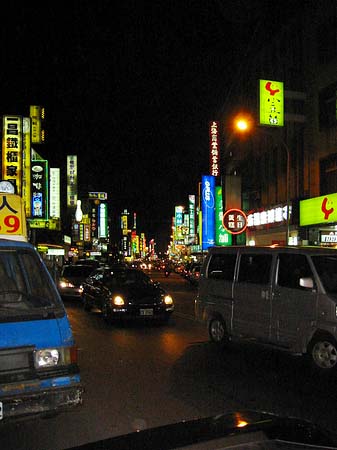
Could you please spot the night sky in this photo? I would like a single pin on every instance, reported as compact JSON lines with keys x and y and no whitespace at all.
{"x":130,"y":88}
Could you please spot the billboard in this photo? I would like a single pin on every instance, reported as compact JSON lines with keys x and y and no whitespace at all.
{"x":208,"y":210}
{"x":37,"y":115}
{"x":271,"y":103}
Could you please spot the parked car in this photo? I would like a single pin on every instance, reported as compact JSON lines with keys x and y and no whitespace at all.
{"x":71,"y":280}
{"x":283,"y":297}
{"x":126,"y":294}
{"x":88,"y":262}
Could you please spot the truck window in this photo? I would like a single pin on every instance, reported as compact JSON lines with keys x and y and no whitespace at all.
{"x":222,"y":267}
{"x":255,"y":268}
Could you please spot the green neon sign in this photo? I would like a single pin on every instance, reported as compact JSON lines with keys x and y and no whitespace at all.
{"x":318,"y":210}
{"x":222,"y":237}
{"x":271,"y":103}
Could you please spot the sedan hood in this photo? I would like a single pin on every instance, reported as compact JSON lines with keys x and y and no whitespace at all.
{"x":246,"y":430}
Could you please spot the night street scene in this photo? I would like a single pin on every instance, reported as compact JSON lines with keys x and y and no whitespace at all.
{"x":168,"y":225}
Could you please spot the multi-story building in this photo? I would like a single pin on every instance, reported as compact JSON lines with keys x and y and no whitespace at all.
{"x":287,"y":166}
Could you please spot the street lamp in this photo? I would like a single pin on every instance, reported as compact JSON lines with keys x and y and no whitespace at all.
{"x":243,"y":124}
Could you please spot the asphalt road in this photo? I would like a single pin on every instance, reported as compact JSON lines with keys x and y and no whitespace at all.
{"x":139,"y":376}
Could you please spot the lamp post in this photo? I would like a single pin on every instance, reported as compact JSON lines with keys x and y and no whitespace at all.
{"x":243,"y":125}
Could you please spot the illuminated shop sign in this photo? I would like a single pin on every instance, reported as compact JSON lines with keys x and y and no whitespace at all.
{"x":39,"y":179}
{"x":329,"y":237}
{"x":37,"y":115}
{"x":214,"y":148}
{"x":71,"y":180}
{"x":98,"y":195}
{"x":12,"y":151}
{"x":54,"y":192}
{"x":271,"y":103}
{"x":191,"y":210}
{"x":234,"y":221}
{"x":103,"y":221}
{"x":208,"y":210}
{"x":26,"y":164}
{"x":268,"y":217}
{"x":222,"y":237}
{"x":318,"y":210}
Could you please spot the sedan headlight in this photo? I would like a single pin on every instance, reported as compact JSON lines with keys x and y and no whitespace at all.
{"x":51,"y":357}
{"x":118,"y":300}
{"x":65,"y":283}
{"x":168,"y":300}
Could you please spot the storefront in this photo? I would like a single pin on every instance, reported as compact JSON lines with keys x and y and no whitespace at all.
{"x":318,"y":220}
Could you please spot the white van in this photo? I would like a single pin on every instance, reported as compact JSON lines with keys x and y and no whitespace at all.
{"x":285,"y":297}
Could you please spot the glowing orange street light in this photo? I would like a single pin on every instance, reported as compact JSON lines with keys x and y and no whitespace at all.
{"x":243,"y":123}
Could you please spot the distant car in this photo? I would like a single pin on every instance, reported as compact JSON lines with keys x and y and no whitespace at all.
{"x":88,"y":262}
{"x":195,"y":275}
{"x":126,"y":294}
{"x":72,"y":278}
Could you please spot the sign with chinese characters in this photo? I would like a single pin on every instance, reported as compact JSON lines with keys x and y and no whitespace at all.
{"x":191,"y":212}
{"x":318,"y":210}
{"x":26,"y":163}
{"x":103,"y":221}
{"x":214,"y":148}
{"x":222,"y":237}
{"x":39,"y":178}
{"x":271,"y":103}
{"x":71,"y":181}
{"x":234,"y":221}
{"x":12,"y":217}
{"x":268,"y":216}
{"x":329,"y":237}
{"x":37,"y":115}
{"x":98,"y":195}
{"x":12,"y":151}
{"x":208,"y":211}
{"x":54,"y":192}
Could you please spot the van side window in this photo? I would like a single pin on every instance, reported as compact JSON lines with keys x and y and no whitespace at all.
{"x":291,"y":268}
{"x":222,"y":267}
{"x":255,"y":268}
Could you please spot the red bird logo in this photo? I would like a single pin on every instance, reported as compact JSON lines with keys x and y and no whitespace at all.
{"x":326,"y":211}
{"x":269,"y":88}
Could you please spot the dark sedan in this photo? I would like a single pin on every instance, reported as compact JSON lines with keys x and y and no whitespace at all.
{"x":126,"y":294}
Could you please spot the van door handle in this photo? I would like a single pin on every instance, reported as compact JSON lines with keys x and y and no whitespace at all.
{"x":265,"y":294}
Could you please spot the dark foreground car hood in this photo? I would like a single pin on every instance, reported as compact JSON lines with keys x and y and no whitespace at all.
{"x":244,"y":430}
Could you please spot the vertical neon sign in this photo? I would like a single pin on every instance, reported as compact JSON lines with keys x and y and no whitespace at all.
{"x":208,"y":213}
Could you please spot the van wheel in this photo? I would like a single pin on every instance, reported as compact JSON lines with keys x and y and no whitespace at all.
{"x":217,"y":331}
{"x":323,"y":353}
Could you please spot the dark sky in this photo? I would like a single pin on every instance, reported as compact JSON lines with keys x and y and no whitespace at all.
{"x":129,"y":87}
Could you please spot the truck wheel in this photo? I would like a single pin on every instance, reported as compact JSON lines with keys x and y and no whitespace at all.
{"x":323,"y":353}
{"x":217,"y":331}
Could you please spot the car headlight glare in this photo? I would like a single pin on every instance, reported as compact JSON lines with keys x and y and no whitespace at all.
{"x":118,"y":300}
{"x":168,"y":300}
